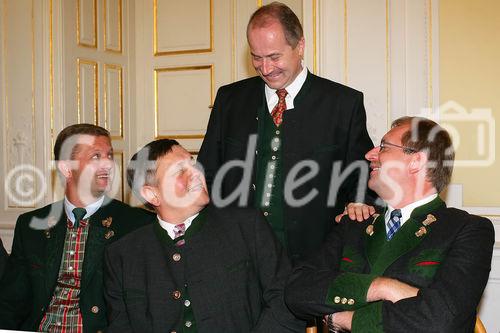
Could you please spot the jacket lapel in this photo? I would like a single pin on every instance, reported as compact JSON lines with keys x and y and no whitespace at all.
{"x":96,"y":240}
{"x":382,"y":253}
{"x":55,"y":243}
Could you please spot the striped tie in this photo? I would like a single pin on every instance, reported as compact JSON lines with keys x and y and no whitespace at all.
{"x":394,"y":223}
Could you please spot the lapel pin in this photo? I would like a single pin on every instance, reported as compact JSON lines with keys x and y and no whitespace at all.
{"x":109,"y":234}
{"x":429,"y":220}
{"x":369,"y":230}
{"x":47,"y":233}
{"x":420,"y":232}
{"x":107,"y":222}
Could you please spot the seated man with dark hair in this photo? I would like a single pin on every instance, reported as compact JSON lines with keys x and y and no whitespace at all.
{"x":53,"y":281}
{"x":197,"y":268}
{"x":420,"y":266}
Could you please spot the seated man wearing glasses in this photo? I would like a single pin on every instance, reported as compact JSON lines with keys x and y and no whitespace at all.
{"x":419,"y":266}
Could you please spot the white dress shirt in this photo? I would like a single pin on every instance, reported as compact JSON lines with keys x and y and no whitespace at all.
{"x":169,"y":227}
{"x":292,"y":90}
{"x":407,"y":210}
{"x":91,"y":209}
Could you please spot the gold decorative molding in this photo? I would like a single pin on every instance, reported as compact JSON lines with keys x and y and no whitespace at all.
{"x":109,"y":68}
{"x":120,"y":19}
{"x":178,"y":69}
{"x":51,"y":75}
{"x":81,"y":62}
{"x":157,"y":52}
{"x":346,"y":64}
{"x":94,"y":22}
{"x":430,"y":77}
{"x":315,"y":36}
{"x":388,"y":62}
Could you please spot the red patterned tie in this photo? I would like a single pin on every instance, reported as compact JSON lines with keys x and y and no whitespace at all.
{"x":278,"y":110}
{"x":179,"y":231}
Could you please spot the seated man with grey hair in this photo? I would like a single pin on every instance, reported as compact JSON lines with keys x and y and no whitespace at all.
{"x":418,"y":267}
{"x":196,"y":268}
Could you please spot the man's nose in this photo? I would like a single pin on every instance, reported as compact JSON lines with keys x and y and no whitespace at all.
{"x":266,"y":67}
{"x":372,"y":154}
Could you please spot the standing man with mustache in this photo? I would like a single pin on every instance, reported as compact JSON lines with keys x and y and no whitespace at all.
{"x":304,"y":125}
{"x":54,"y":276}
{"x":196,"y":268}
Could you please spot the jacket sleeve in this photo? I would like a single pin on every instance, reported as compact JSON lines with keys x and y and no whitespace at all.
{"x":211,"y":155}
{"x":318,"y":287}
{"x":359,"y":144}
{"x":273,"y":269}
{"x":15,"y":287}
{"x":117,"y":312}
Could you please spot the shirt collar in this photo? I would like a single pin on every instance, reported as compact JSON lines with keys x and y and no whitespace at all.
{"x":169,"y":227}
{"x":408,"y":209}
{"x":91,"y":209}
{"x":292,"y":89}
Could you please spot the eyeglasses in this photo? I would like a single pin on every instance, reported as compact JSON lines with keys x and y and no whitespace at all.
{"x":408,"y":150}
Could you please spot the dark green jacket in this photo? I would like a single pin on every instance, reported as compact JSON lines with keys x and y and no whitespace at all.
{"x":33,"y":267}
{"x":449,"y":263}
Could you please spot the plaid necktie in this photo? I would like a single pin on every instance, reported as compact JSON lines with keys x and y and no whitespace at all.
{"x":79,"y":213}
{"x":179,"y":231}
{"x":394,"y":223}
{"x":278,"y":110}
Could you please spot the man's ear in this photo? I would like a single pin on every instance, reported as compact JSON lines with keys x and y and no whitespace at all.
{"x":301,"y":45}
{"x":149,"y":194}
{"x":64,"y":168}
{"x":418,"y":162}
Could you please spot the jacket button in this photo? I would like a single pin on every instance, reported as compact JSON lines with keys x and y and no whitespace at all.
{"x":350,"y":301}
{"x":176,"y":294}
{"x":344,"y":300}
{"x":95,"y":309}
{"x":336,"y":300}
{"x":176,"y":257}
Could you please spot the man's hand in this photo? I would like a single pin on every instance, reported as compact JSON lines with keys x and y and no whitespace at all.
{"x":339,"y":322}
{"x":356,"y":211}
{"x":388,"y":289}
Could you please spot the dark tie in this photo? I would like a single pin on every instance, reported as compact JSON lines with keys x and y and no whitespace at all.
{"x":394,"y":223}
{"x":179,"y":231}
{"x":278,"y":110}
{"x":79,"y":213}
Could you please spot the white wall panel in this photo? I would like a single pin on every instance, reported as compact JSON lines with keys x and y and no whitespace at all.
{"x":87,"y":92}
{"x":182,"y":99}
{"x":86,"y":23}
{"x":113,"y":100}
{"x":113,"y":18}
{"x":171,"y":19}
